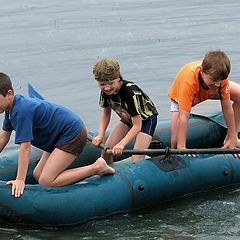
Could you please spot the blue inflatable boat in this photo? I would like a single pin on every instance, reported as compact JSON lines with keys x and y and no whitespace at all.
{"x":134,"y":185}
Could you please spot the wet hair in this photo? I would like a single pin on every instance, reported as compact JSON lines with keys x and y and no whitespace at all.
{"x":216,"y":64}
{"x":5,"y":84}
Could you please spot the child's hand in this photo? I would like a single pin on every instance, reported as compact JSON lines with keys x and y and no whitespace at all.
{"x":118,"y":149}
{"x":188,"y":155}
{"x":97,"y":140}
{"x":17,"y":187}
{"x":229,"y":143}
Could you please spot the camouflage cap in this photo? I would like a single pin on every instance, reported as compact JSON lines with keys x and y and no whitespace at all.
{"x":106,"y":69}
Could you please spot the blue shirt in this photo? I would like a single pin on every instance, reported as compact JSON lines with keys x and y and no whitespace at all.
{"x":45,"y":124}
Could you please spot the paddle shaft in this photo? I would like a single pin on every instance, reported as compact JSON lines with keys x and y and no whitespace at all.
{"x":101,"y":145}
{"x":168,"y":151}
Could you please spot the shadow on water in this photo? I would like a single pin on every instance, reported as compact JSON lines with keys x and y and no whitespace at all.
{"x":209,"y":215}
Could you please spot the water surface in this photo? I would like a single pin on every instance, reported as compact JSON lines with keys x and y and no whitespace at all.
{"x":54,"y":44}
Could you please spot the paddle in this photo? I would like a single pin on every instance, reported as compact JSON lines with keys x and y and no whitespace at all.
{"x":167,"y":151}
{"x":101,"y":145}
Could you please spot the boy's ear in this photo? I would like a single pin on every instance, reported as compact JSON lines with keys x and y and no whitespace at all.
{"x":10,"y":92}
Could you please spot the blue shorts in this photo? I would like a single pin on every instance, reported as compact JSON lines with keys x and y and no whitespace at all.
{"x":148,"y":125}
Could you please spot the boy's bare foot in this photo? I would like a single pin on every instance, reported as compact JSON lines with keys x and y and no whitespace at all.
{"x":102,"y":168}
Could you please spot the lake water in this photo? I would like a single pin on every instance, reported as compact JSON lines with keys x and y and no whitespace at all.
{"x":54,"y":44}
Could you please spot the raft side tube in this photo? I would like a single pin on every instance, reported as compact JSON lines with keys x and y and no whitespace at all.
{"x":134,"y":186}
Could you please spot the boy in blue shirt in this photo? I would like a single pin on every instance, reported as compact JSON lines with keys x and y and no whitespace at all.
{"x":60,"y":133}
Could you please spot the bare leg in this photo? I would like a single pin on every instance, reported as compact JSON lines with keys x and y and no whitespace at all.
{"x":38,"y":169}
{"x":117,"y":134}
{"x":143,"y":141}
{"x":174,"y":125}
{"x":54,"y":173}
{"x":235,"y":97}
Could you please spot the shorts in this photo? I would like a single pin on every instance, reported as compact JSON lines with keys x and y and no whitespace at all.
{"x":174,"y":107}
{"x":148,"y":125}
{"x":75,"y":145}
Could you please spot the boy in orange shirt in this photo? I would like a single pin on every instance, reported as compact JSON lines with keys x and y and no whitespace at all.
{"x":198,"y":81}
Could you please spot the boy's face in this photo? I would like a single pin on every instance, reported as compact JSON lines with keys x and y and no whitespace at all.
{"x":208,"y":80}
{"x":6,"y":102}
{"x":110,"y":87}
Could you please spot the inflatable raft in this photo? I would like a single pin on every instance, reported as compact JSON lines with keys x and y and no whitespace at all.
{"x":134,"y":185}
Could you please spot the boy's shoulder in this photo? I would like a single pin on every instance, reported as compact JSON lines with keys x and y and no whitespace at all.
{"x":18,"y":98}
{"x":26,"y":103}
{"x":189,"y":71}
{"x":129,"y":88}
{"x":129,"y":84}
{"x":192,"y":65}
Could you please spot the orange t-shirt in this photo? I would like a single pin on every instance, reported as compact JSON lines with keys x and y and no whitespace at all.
{"x":187,"y":90}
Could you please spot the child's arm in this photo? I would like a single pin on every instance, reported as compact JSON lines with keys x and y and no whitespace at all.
{"x":104,"y":121}
{"x":229,"y":119}
{"x":4,"y":139}
{"x":133,"y":132}
{"x":182,"y":127}
{"x":18,"y":185}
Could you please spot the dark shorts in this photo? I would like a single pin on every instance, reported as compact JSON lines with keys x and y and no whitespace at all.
{"x":75,"y":145}
{"x":148,"y":125}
